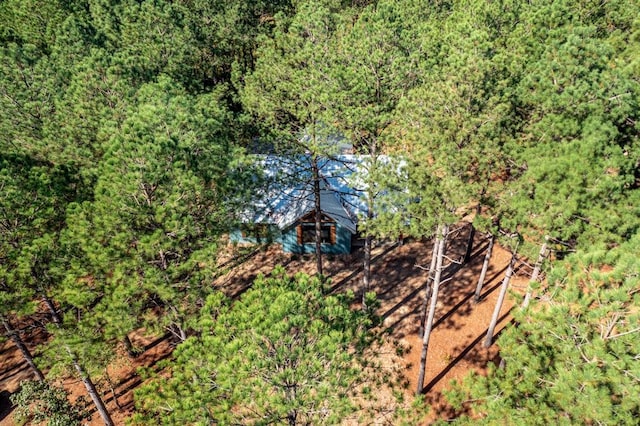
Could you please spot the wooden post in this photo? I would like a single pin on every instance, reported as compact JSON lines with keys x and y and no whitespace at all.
{"x":485,"y":266}
{"x":432,"y":310}
{"x":503,"y":292}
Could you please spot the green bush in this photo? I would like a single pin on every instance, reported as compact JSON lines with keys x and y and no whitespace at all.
{"x":38,"y":401}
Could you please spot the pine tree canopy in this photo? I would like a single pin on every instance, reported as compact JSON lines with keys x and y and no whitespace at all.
{"x":128,"y":130}
{"x":284,"y":352}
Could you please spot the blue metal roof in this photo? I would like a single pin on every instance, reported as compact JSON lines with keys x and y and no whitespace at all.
{"x":288,"y":191}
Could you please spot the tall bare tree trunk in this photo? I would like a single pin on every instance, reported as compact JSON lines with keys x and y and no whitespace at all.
{"x":51,"y":306}
{"x":366,"y":278}
{"x":429,"y":281}
{"x":503,"y":292}
{"x":536,"y":273}
{"x":17,"y":340}
{"x":432,"y":310}
{"x":368,"y":241}
{"x":485,"y":266}
{"x":316,"y":195}
{"x":472,"y":236}
{"x":84,"y":376}
{"x":91,"y":389}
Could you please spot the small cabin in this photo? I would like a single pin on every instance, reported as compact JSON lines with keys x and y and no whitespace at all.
{"x":287,"y":215}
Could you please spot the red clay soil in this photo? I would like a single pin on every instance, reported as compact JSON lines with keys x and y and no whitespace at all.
{"x":122,"y":373}
{"x":456,"y":342}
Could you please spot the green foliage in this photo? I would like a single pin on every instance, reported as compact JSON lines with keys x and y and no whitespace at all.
{"x":39,"y":401}
{"x":450,"y":125}
{"x":283,"y":352}
{"x":575,"y":99}
{"x":372,"y":65}
{"x":228,"y":32}
{"x":163,"y":197}
{"x":572,"y":359}
{"x":121,"y":168}
{"x":290,"y":89}
{"x":31,"y":211}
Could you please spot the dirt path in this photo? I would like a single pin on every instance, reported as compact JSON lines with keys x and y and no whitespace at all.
{"x":455,"y":346}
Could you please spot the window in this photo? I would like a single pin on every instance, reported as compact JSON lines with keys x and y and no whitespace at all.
{"x":307,"y":233}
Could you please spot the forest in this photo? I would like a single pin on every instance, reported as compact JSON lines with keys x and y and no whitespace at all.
{"x":128,"y":136}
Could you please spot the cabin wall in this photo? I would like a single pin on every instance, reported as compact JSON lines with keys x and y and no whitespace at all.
{"x":289,"y":240}
{"x":271,"y":234}
{"x":290,"y":244}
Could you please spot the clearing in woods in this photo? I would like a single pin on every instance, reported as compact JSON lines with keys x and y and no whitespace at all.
{"x":455,"y":346}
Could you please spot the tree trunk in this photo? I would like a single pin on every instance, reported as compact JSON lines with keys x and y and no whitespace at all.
{"x":112,"y":388}
{"x":17,"y":340}
{"x":176,"y":326}
{"x":536,"y":273}
{"x":427,"y":284}
{"x":131,"y":350}
{"x":485,"y":266}
{"x":366,"y":279}
{"x":86,"y":379}
{"x":177,"y":333}
{"x":369,"y":239}
{"x":368,"y":243}
{"x":91,"y":389}
{"x":316,"y":195}
{"x":52,"y":308}
{"x":432,"y":310}
{"x":503,"y":292}
{"x":472,"y":236}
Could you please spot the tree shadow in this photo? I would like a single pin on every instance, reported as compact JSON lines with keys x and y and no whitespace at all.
{"x":456,"y":308}
{"x":134,"y":380}
{"x":398,"y":305}
{"x":403,"y":281}
{"x":385,"y":252}
{"x":14,"y":370}
{"x":239,"y":278}
{"x":464,"y":351}
{"x":150,"y":361}
{"x":155,"y":343}
{"x":6,"y":407}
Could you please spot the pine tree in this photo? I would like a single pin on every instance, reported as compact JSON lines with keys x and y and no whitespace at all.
{"x":576,"y":98}
{"x":284,"y":353}
{"x":290,"y":91}
{"x":372,"y":66}
{"x":429,"y":316}
{"x":163,"y":198}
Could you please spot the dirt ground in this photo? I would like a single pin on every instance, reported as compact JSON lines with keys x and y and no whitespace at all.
{"x":456,"y":342}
